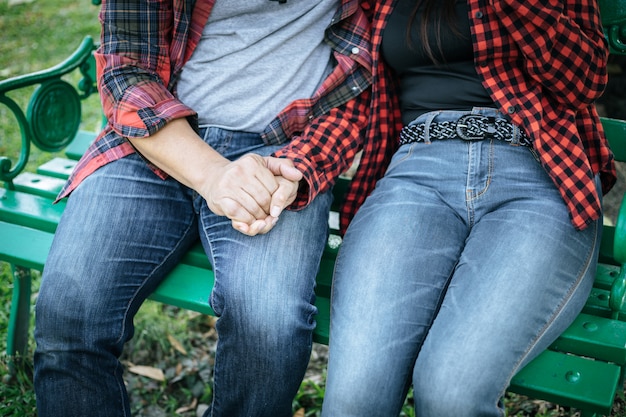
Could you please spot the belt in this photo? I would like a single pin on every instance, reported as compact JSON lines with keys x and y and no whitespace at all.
{"x":468,"y":127}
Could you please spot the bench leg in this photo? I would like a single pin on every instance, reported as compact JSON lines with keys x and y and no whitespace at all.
{"x":19,"y":319}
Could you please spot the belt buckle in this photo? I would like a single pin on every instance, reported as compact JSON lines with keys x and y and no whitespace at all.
{"x":475,"y":127}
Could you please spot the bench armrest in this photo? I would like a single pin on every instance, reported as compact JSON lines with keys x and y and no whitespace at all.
{"x":53,"y":115}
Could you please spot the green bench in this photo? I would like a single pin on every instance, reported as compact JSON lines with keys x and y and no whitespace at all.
{"x":583,"y":369}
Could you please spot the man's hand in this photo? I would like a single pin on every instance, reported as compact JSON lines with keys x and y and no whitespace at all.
{"x":287,"y":179}
{"x":251,"y":191}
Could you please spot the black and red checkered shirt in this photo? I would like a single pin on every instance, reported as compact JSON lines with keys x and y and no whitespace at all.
{"x":544,"y":64}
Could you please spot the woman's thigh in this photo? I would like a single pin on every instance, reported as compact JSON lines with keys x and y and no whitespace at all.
{"x":524,"y":274}
{"x":467,"y":246}
{"x":391,"y":273}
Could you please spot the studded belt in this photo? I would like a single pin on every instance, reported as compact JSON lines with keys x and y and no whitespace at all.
{"x":469,"y":127}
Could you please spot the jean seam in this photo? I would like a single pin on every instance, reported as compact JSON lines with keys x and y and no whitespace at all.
{"x":143,"y":285}
{"x":122,"y":389}
{"x":208,"y":249}
{"x":560,"y":307}
{"x":470,"y":197}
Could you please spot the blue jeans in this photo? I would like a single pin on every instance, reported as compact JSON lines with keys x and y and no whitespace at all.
{"x":459,"y":269}
{"x":123,"y":229}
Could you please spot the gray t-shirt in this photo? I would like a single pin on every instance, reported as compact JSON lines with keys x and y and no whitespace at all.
{"x":254,"y":58}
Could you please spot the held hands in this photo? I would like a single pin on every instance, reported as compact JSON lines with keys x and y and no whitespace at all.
{"x":253,"y":191}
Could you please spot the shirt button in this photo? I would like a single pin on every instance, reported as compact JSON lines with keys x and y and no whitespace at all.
{"x":511,"y":109}
{"x":355,"y":50}
{"x":478,"y":15}
{"x":483,"y":63}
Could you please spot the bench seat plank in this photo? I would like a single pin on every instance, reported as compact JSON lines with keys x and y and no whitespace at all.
{"x":187,"y":286}
{"x":38,"y":184}
{"x":596,"y":337}
{"x":24,"y":246}
{"x":79,"y":145}
{"x":57,"y":168}
{"x":567,"y":379}
{"x":582,"y":368}
{"x":29,"y":210}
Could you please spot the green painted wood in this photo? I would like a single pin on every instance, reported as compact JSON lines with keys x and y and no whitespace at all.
{"x":565,"y":379}
{"x":37,"y":184}
{"x":27,"y":247}
{"x":595,"y":337}
{"x":29,"y":210}
{"x":79,"y":145}
{"x":189,"y":286}
{"x":57,"y":167}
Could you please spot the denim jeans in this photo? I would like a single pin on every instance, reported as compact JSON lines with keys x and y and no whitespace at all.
{"x":459,"y":269}
{"x":123,"y":229}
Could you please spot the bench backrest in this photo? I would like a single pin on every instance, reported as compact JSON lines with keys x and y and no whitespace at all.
{"x":614,"y":20}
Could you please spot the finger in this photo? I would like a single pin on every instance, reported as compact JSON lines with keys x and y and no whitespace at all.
{"x":261,"y":227}
{"x":256,"y":228}
{"x":256,"y":179}
{"x":258,"y":194}
{"x":283,"y":167}
{"x":243,"y":210}
{"x":240,"y":226}
{"x":284,"y":195}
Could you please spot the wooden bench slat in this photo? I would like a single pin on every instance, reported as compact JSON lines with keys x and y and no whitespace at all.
{"x":24,"y":246}
{"x":57,"y":168}
{"x":320,"y":335}
{"x":79,"y":145}
{"x":187,"y":286}
{"x":29,"y":210}
{"x":37,"y":184}
{"x":197,"y":257}
{"x":596,"y":337}
{"x":567,"y":379}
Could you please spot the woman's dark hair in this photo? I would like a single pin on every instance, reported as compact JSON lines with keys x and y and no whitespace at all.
{"x":441,"y":12}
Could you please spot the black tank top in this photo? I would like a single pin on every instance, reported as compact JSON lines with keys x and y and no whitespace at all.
{"x":452,"y":84}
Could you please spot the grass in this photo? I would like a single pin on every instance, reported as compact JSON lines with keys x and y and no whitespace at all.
{"x":35,"y":34}
{"x":39,"y":34}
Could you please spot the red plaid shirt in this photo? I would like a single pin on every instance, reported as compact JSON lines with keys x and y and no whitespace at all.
{"x":144,"y":45}
{"x":544,"y":64}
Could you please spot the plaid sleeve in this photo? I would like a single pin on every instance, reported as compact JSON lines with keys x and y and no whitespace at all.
{"x":562,"y":45}
{"x":134,"y":63}
{"x":325,"y":132}
{"x":327,"y":147}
